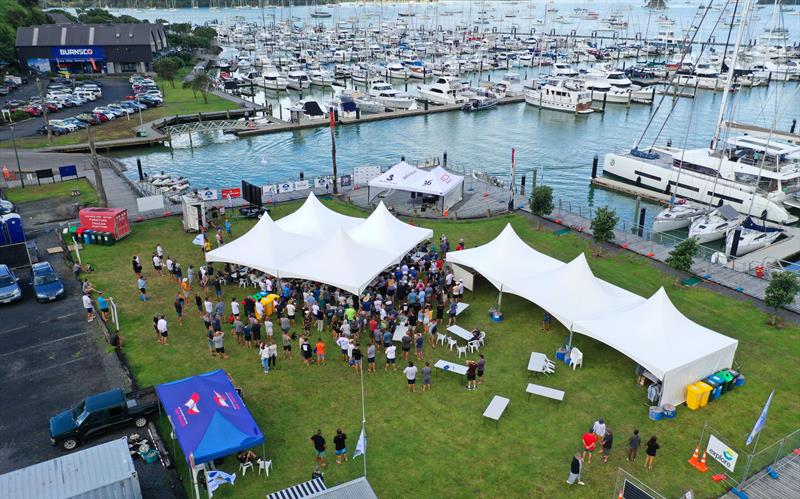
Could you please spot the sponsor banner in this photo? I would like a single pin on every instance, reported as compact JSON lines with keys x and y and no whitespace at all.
{"x":346,"y":180}
{"x":286,"y":187}
{"x":301,"y":185}
{"x":322,"y":182}
{"x":236,"y":192}
{"x":363,"y":174}
{"x":77,"y":53}
{"x":725,"y":455}
{"x":208,"y":194}
{"x":68,"y":171}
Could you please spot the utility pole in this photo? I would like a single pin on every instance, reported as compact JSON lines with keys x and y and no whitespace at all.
{"x":98,"y":175}
{"x":16,"y":154}
{"x":44,"y":111}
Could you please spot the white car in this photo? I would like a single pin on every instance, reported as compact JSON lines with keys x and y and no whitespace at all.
{"x":118,"y":108}
{"x":86,"y":94}
{"x":63,"y":124}
{"x":106,"y":111}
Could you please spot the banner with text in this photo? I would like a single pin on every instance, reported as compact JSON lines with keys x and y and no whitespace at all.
{"x":725,"y":455}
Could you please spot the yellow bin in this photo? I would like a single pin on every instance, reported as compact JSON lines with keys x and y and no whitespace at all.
{"x":694,"y":395}
{"x":706,"y":392}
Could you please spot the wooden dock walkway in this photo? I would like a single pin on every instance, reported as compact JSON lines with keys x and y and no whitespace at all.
{"x":763,"y":486}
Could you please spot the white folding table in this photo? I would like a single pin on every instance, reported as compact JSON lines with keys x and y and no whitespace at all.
{"x":451,"y":367}
{"x":460,"y":332}
{"x":496,"y":408}
{"x":537,"y":362}
{"x":399,"y":332}
{"x":544,"y":391}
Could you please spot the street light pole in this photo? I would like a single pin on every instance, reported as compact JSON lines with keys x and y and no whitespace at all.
{"x":44,"y":111}
{"x":16,"y":154}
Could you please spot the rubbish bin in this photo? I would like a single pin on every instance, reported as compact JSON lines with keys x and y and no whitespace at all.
{"x":693,"y":396}
{"x":739,"y":381}
{"x":65,"y":235}
{"x":73,"y":229}
{"x":727,"y":378}
{"x":87,"y":237}
{"x":705,"y":389}
{"x":716,"y":388}
{"x":111,"y":239}
{"x":735,"y":374}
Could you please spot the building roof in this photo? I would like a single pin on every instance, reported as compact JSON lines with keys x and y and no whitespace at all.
{"x":54,"y":35}
{"x":74,"y":475}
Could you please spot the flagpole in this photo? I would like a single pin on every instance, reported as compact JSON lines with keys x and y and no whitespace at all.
{"x":363,"y":416}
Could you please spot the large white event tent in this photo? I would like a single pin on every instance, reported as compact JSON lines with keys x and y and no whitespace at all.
{"x":436,"y":181}
{"x":322,"y":245}
{"x":651,"y":332}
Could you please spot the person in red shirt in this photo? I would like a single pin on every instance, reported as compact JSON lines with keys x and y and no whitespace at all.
{"x":320,"y":349}
{"x":589,"y":443}
{"x":373,"y":325}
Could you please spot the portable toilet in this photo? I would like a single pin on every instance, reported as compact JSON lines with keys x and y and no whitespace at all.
{"x":13,"y":228}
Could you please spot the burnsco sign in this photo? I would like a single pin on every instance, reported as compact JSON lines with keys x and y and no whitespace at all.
{"x":77,"y":53}
{"x":722,"y":453}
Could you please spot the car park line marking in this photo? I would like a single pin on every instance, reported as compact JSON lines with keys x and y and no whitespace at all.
{"x":13,"y":329}
{"x":65,"y":315}
{"x":48,"y":368}
{"x":5,"y":331}
{"x":38,"y":345}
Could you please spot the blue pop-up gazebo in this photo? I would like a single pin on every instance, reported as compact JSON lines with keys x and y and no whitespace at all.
{"x":208,"y":418}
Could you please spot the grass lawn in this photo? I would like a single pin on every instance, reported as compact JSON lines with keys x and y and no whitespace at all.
{"x":435,"y":444}
{"x":54,"y":190}
{"x":176,"y":101}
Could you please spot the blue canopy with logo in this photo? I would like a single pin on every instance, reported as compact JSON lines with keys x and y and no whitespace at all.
{"x":208,"y":417}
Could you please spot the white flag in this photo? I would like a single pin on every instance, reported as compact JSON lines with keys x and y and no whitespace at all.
{"x":361,"y":446}
{"x":761,"y":421}
{"x":216,"y":478}
{"x":199,"y":240}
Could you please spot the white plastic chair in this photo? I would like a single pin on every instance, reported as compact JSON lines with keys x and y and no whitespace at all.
{"x":242,"y":283}
{"x":451,"y":343}
{"x":441,"y":338}
{"x":461,"y":350}
{"x":243,"y":467}
{"x":264,"y":465}
{"x":482,"y":338}
{"x":473,"y":346}
{"x":576,"y":358}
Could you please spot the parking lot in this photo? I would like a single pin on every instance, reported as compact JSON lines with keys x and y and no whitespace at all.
{"x":114,"y":90}
{"x":51,"y":359}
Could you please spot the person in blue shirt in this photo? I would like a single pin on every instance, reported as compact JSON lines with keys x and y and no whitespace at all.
{"x":412,"y":297}
{"x":228,"y":226}
{"x":102,"y":304}
{"x":387,"y":338}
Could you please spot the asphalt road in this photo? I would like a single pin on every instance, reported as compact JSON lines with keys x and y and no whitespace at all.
{"x":51,"y":359}
{"x":114,"y":90}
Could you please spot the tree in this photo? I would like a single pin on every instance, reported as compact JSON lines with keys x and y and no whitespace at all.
{"x":682,"y":256}
{"x":782,"y":289}
{"x":542,"y":200}
{"x":167,"y":68}
{"x":603,"y":223}
{"x":200,"y":83}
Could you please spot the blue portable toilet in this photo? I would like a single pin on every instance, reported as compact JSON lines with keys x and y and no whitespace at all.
{"x":14,"y":228}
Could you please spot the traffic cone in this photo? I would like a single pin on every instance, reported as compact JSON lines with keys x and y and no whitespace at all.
{"x":695,"y":457}
{"x":702,"y":467}
{"x":620,"y":496}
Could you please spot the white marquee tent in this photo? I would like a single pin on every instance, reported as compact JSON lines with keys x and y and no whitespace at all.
{"x":651,"y":332}
{"x":658,"y":336}
{"x":406,"y":177}
{"x":322,"y":245}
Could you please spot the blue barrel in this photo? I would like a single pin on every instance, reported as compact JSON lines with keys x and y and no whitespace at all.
{"x":87,"y":237}
{"x":669,"y":411}
{"x":656,"y":413}
{"x":739,"y":380}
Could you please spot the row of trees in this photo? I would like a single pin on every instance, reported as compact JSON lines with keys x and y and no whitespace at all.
{"x":182,"y":35}
{"x":782,"y":288}
{"x":15,"y":14}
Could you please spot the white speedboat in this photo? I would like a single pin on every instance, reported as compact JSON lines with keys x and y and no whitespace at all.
{"x":321,"y":78}
{"x":384,"y":93}
{"x":307,"y":109}
{"x":677,"y":216}
{"x":444,"y":91}
{"x":511,"y":85}
{"x":297,"y":79}
{"x":272,"y":80}
{"x":396,"y":71}
{"x":752,"y":236}
{"x":715,"y":225}
{"x":368,"y":104}
{"x":560,"y":95}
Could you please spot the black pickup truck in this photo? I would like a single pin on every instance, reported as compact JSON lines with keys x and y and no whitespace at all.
{"x":101,"y":413}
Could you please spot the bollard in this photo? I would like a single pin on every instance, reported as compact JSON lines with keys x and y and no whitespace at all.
{"x":191,"y":146}
{"x":642,"y":214}
{"x":426,"y":104}
{"x":794,"y":124}
{"x":594,"y":167}
{"x":358,"y":113}
{"x":605,"y":97}
{"x":139,"y":168}
{"x":444,"y":159}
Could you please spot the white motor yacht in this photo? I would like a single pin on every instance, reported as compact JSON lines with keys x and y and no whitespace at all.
{"x":307,"y":109}
{"x":560,"y":95}
{"x":715,"y":225}
{"x":511,"y":85}
{"x":321,"y":78}
{"x":396,"y":71}
{"x":272,"y":80}
{"x":297,"y":79}
{"x":677,"y":216}
{"x":563,"y":69}
{"x":384,"y":93}
{"x":444,"y":91}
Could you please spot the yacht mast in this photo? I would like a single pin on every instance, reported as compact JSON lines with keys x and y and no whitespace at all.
{"x":731,"y":70}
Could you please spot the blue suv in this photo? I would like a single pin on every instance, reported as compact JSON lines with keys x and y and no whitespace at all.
{"x":46,"y":282}
{"x":9,"y":286}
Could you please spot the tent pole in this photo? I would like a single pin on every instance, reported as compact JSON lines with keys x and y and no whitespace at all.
{"x":570,"y":340}
{"x":499,"y":298}
{"x":363,"y":415}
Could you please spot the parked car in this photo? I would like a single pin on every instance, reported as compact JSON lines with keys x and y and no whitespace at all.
{"x":32,"y":110}
{"x":63,"y":124}
{"x":9,"y":285}
{"x":101,"y":413}
{"x":46,"y":282}
{"x":76,"y":122}
{"x":102,"y":118}
{"x":6,"y":207}
{"x":108,"y":113}
{"x":120,"y":109}
{"x":88,"y":118}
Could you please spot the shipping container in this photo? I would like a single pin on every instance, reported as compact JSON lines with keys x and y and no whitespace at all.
{"x":113,"y":220}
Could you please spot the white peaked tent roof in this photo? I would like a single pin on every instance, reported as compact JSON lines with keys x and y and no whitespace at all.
{"x":406,"y":177}
{"x":502,"y":260}
{"x":574,"y":293}
{"x":341,"y":262}
{"x":265,"y":247}
{"x":668,"y":344}
{"x":383,"y":231}
{"x":316,"y":220}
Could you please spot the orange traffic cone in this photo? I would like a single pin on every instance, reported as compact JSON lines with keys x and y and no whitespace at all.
{"x":702,"y":467}
{"x":695,"y":460}
{"x":620,"y":496}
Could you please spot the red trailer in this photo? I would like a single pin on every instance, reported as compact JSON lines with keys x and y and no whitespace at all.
{"x":113,"y":220}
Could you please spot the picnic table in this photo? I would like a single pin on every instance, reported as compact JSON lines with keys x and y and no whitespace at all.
{"x":544,"y":391}
{"x":537,"y":362}
{"x":460,"y":332}
{"x":399,"y":332}
{"x":452,"y":367}
{"x":496,"y":408}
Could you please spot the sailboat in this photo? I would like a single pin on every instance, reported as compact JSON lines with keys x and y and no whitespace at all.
{"x":751,"y":237}
{"x":715,"y":225}
{"x":676,"y":216}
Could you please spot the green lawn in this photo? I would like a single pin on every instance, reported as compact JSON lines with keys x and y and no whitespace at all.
{"x":48,"y":190}
{"x":435,"y":444}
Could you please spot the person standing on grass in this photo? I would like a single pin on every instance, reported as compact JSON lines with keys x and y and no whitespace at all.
{"x":287,"y":345}
{"x":652,"y":448}
{"x":406,"y":344}
{"x":290,"y":311}
{"x":391,"y":356}
{"x":371,"y":352}
{"x":141,"y":283}
{"x":481,"y":367}
{"x":268,"y":328}
{"x":419,"y":344}
{"x":599,"y":428}
{"x":305,"y":350}
{"x":170,"y":263}
{"x":320,"y":350}
{"x":426,"y":377}
{"x":340,"y":442}
{"x":273,"y":354}
{"x":137,"y":265}
{"x":162,"y":330}
{"x":356,"y":356}
{"x":179,"y":308}
{"x":452,"y":313}
{"x":247,"y":332}
{"x":343,"y":343}
{"x":255,"y":328}
{"x":608,"y":442}
{"x":190,"y":274}
{"x":546,"y":320}
{"x":219,"y":308}
{"x":411,"y":376}
{"x":157,"y":264}
{"x":575,"y":470}
{"x":235,"y":307}
{"x":237,"y":330}
{"x":219,"y":344}
{"x":218,"y":288}
{"x":186,"y":288}
{"x":472,"y":370}
{"x":263,"y":354}
{"x":88,"y":306}
{"x":633,"y":445}
{"x":208,"y":306}
{"x":228,"y":227}
{"x":589,"y":444}
{"x":159,"y":251}
{"x":210,"y":337}
{"x":319,"y":447}
{"x":102,"y":304}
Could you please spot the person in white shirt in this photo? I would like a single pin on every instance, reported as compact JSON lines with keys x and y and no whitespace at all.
{"x":344,"y":344}
{"x":235,"y":307}
{"x":157,"y":264}
{"x":161,"y":326}
{"x":268,"y":285}
{"x":350,"y":347}
{"x":87,"y":304}
{"x":260,"y":309}
{"x":391,"y":356}
{"x":599,"y":428}
{"x":208,"y":306}
{"x":290,"y":310}
{"x":263,"y":355}
{"x":159,"y":251}
{"x":411,"y":376}
{"x":345,"y":329}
